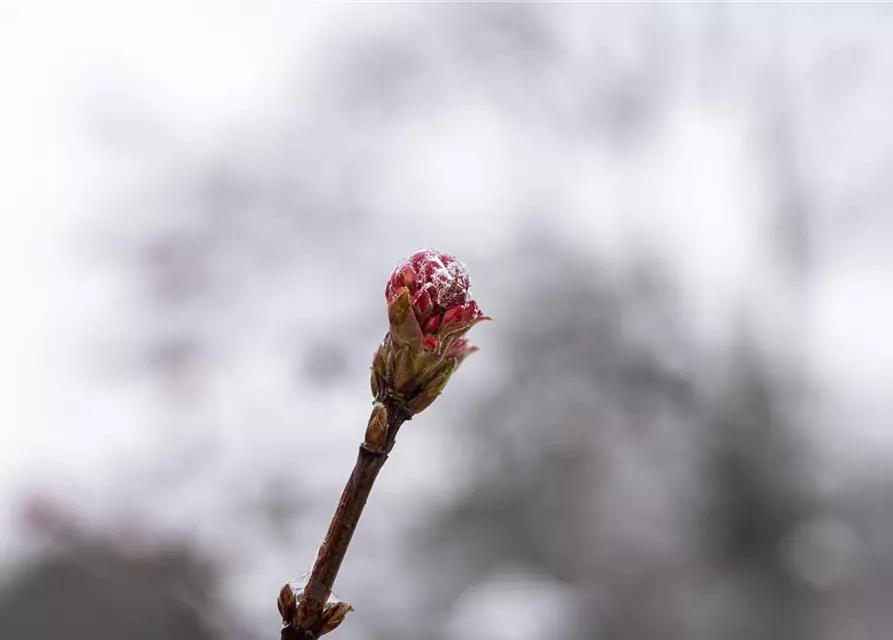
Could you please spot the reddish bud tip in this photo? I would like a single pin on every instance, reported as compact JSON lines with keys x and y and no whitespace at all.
{"x":431,"y":324}
{"x":430,"y":309}
{"x":394,"y":293}
{"x":443,"y":279}
{"x":452,"y":314}
{"x":422,"y":303}
{"x":408,"y":276}
{"x":471,"y":311}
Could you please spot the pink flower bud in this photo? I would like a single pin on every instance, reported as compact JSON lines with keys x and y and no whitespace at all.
{"x":464,"y":313}
{"x":423,"y":264}
{"x":471,"y":311}
{"x":431,"y":324}
{"x":422,"y":303}
{"x":451,"y":315}
{"x":437,"y":281}
{"x":409,"y":277}
{"x":430,"y":309}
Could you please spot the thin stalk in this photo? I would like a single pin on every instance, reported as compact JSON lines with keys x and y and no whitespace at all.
{"x":308,"y":621}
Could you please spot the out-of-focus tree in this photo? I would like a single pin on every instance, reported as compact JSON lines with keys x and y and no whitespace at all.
{"x":617,"y":459}
{"x":653,"y":483}
{"x":89,"y":584}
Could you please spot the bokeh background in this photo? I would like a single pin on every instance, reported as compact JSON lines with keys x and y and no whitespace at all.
{"x":680,"y":424}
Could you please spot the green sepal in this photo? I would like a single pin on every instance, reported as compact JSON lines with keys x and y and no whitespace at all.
{"x":404,"y":326}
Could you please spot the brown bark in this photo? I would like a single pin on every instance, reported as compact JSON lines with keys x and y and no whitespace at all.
{"x":380,"y":436}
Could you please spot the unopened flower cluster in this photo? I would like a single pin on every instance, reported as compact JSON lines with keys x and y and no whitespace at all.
{"x":430,"y":310}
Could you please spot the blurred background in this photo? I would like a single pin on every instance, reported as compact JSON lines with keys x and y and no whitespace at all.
{"x":680,"y":424}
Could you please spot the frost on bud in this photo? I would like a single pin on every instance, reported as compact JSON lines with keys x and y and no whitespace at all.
{"x":430,"y":310}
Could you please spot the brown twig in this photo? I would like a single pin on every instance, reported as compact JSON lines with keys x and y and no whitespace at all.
{"x":307,"y":620}
{"x":430,"y":309}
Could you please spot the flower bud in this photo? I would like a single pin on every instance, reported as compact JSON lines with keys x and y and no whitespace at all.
{"x":430,"y":310}
{"x":431,"y":325}
{"x":451,"y":315}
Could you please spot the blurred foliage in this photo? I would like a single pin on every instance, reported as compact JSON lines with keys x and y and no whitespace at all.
{"x":94,"y":590}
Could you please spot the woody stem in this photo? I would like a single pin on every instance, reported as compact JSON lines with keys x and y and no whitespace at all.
{"x":307,"y":623}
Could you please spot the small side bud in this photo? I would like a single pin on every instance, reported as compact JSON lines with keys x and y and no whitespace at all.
{"x":287,"y":603}
{"x":377,"y":429}
{"x":333,"y":616}
{"x":379,"y":371}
